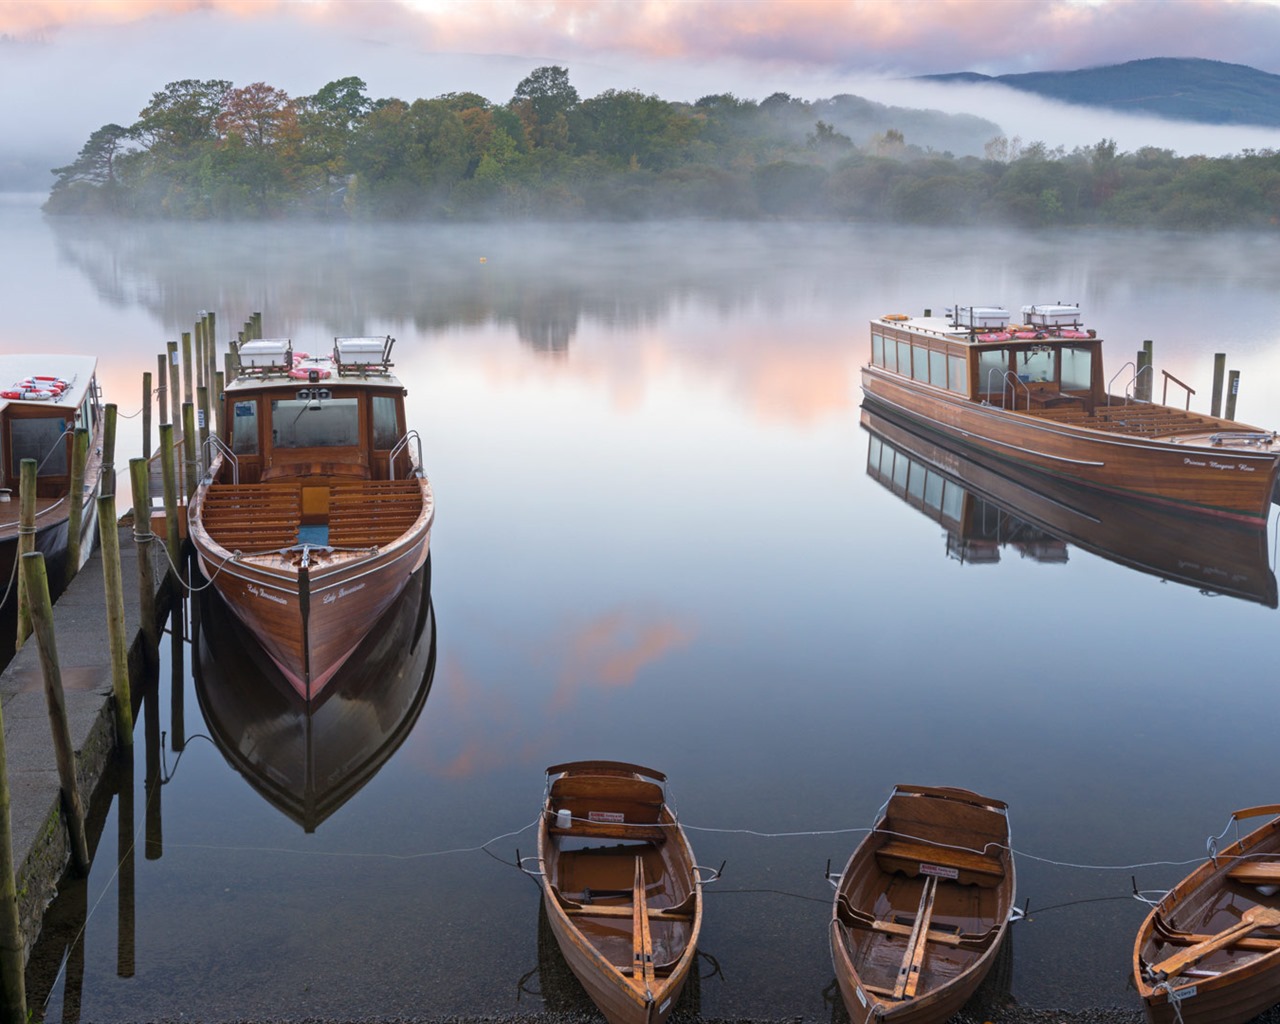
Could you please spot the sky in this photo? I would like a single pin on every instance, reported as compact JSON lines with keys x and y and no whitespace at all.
{"x":67,"y":67}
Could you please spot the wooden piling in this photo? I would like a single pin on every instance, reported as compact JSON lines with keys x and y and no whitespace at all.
{"x":13,"y":993}
{"x":1219,"y":371}
{"x":109,"y":413}
{"x":190,"y":473}
{"x":1233,"y":389}
{"x":211,"y":349}
{"x":219,"y":411}
{"x":187,"y":393}
{"x":146,"y":413}
{"x":33,"y":571}
{"x":75,"y":500}
{"x":198,"y":352}
{"x":28,"y":472}
{"x":162,"y":391}
{"x":175,"y":396}
{"x":202,"y":405}
{"x":139,"y":480}
{"x":169,"y":483}
{"x":113,"y":585}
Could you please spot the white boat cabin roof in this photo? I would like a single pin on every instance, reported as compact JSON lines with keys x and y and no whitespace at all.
{"x":979,"y":325}
{"x":39,"y":380}
{"x":275,"y":362}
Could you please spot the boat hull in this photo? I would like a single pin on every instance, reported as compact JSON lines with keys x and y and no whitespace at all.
{"x":1234,"y":985}
{"x":868,"y":946}
{"x":599,"y":950}
{"x":1235,"y":483}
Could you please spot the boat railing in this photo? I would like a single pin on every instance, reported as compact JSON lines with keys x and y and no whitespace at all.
{"x":1009,"y":384}
{"x":411,"y":437}
{"x":1131,"y":385}
{"x":1186,"y":387}
{"x":214,"y":445}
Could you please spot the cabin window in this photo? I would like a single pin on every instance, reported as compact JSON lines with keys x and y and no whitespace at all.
{"x":993,"y":364}
{"x":920,"y":363}
{"x":386,"y":426}
{"x":873,"y":452}
{"x":315,"y":423}
{"x":42,"y":439}
{"x":901,"y":467}
{"x":244,"y":428}
{"x":1077,"y":368}
{"x":1036,"y":365}
{"x":890,"y":355}
{"x":958,"y":376}
{"x":904,"y":358}
{"x":877,"y":349}
{"x":933,"y":484}
{"x":938,"y":369}
{"x":953,"y":500}
{"x":916,"y":482}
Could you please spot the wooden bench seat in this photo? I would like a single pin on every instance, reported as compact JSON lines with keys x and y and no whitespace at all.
{"x":585,"y":829}
{"x":1256,"y":872}
{"x":963,"y":866}
{"x":372,"y":512}
{"x":252,"y":517}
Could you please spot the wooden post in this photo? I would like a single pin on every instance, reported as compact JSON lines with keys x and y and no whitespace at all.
{"x":1219,"y":371}
{"x":210,"y":349}
{"x":189,"y":466}
{"x":109,"y":412}
{"x":257,"y":326}
{"x":75,"y":501}
{"x":146,"y":413}
{"x":13,"y":993}
{"x":169,"y":482}
{"x":1146,"y":382}
{"x":162,"y":391}
{"x":142,"y":538}
{"x":202,"y":399}
{"x":1233,"y":389}
{"x":175,"y":396}
{"x":198,"y":355}
{"x":188,"y":392}
{"x":219,"y":406}
{"x":26,"y":542}
{"x":109,"y":541}
{"x":33,"y":571}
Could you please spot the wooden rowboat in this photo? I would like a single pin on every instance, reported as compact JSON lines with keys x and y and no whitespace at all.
{"x":315,"y":511}
{"x":922,"y":907}
{"x":1209,"y":951}
{"x":620,"y":887}
{"x":1038,"y":399}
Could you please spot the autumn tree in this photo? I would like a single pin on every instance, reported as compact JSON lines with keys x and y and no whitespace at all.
{"x":90,"y":182}
{"x":543,"y":101}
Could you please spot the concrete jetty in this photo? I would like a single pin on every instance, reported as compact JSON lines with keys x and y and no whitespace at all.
{"x":41,"y":851}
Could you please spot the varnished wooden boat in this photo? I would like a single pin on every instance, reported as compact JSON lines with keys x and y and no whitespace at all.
{"x":1037,"y":398}
{"x":922,"y":907}
{"x":315,"y":511}
{"x":620,"y":887}
{"x":1209,"y":951}
{"x":44,"y":399}
{"x":308,"y":759}
{"x":986,"y":505}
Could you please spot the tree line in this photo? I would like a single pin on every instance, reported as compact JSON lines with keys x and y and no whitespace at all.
{"x":209,"y":150}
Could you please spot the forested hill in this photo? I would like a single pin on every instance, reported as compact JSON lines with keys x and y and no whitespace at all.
{"x":1183,"y":89}
{"x":209,"y":149}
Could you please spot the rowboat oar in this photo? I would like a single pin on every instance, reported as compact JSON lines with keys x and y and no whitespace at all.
{"x":1254,"y":917}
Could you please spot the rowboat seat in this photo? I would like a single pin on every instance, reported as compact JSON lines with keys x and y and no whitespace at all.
{"x":967,"y":867}
{"x":607,"y":807}
{"x":1256,"y":872}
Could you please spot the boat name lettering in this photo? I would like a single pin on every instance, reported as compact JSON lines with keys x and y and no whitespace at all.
{"x":1192,"y":462}
{"x":1179,"y":994}
{"x":614,"y":817}
{"x":258,"y":592}
{"x":938,"y":871}
{"x":342,"y":592}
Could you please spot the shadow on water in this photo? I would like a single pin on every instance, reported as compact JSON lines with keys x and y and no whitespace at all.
{"x":985,"y":509}
{"x":306,"y":762}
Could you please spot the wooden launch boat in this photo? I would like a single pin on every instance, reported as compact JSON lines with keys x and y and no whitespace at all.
{"x":315,"y":510}
{"x":1035,"y":396}
{"x":44,"y":399}
{"x":620,"y":887}
{"x":922,"y":907}
{"x":308,"y":759}
{"x":986,"y":505}
{"x":1209,"y":951}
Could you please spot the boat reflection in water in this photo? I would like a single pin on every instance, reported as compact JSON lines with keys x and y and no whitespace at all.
{"x":309,"y":760}
{"x":984,"y":510}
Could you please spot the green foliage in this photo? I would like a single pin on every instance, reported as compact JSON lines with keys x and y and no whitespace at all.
{"x":205,"y":149}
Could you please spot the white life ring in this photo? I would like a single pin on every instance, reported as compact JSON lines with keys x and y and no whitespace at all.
{"x":28,"y":394}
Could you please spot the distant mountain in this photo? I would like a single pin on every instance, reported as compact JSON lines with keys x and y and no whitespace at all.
{"x":1183,"y":89}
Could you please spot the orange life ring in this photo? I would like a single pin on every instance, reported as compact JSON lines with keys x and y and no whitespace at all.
{"x":28,"y":394}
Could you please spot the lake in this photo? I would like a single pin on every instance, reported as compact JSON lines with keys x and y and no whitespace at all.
{"x":664,"y":535}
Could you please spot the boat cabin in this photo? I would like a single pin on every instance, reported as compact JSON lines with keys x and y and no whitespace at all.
{"x":290,"y":415}
{"x":1048,"y":361}
{"x":44,"y":399}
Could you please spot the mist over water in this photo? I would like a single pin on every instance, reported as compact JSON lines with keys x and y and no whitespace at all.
{"x":658,"y":540}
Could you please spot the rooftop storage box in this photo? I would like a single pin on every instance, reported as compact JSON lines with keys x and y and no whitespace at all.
{"x":981,"y":316}
{"x":1051,"y":316}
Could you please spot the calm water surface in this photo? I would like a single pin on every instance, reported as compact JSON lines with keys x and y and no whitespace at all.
{"x":663,"y":535}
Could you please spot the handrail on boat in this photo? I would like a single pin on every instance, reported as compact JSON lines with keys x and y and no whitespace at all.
{"x":1164,"y":400}
{"x":1133,"y":383}
{"x":410,"y":436}
{"x":213,"y":443}
{"x":1126,"y":366}
{"x":1009,"y":384}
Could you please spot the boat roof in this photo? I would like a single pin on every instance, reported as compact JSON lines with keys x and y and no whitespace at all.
{"x":73,"y":373}
{"x":998,"y":331}
{"x":275,"y":363}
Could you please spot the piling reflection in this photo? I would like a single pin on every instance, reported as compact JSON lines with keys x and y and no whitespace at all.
{"x":986,"y":509}
{"x":307,"y":761}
